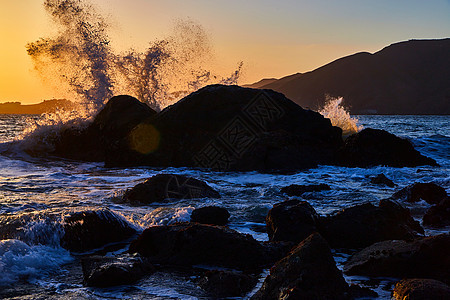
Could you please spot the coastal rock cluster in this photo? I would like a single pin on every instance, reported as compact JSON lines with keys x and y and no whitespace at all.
{"x":228,"y":128}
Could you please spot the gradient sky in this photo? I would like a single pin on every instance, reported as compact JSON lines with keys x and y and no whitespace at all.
{"x":273,"y":38}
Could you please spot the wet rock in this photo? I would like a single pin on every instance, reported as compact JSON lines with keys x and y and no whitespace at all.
{"x":422,"y":258}
{"x":100,"y":271}
{"x":187,"y":244}
{"x":298,"y":190}
{"x":87,"y":230}
{"x":373,"y":147}
{"x":108,"y":131}
{"x":162,"y":187}
{"x":420,"y":289}
{"x":381,"y":179}
{"x":273,"y":132}
{"x":365,"y":224}
{"x":308,"y":272}
{"x":212,"y":215}
{"x":430,"y":192}
{"x":222,"y":284}
{"x":438,"y":215}
{"x":291,"y":220}
{"x":359,"y":292}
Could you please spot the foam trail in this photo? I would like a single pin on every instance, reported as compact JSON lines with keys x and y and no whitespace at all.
{"x":340,"y":117}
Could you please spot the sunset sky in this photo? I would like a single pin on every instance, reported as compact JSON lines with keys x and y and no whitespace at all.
{"x":272,"y":38}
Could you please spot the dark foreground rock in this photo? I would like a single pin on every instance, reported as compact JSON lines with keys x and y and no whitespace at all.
{"x":365,"y":224}
{"x":381,"y":179}
{"x":222,"y":284}
{"x":421,"y":289}
{"x":372,"y":147}
{"x":291,"y":220}
{"x":100,"y":271}
{"x":298,"y":189}
{"x":86,"y":230}
{"x":109,"y":130}
{"x":308,"y":272}
{"x":78,"y":231}
{"x":438,"y":215}
{"x":422,"y":258}
{"x":162,"y":187}
{"x":212,"y":215}
{"x":188,"y":244}
{"x":430,"y":192}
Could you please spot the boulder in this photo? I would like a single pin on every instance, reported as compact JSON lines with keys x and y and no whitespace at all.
{"x":420,"y":289}
{"x":162,"y":187}
{"x":91,"y":229}
{"x":109,"y":130}
{"x":381,"y":179}
{"x":291,"y":220}
{"x":298,"y":190}
{"x":438,"y":215}
{"x":362,"y":225}
{"x":223,"y":284}
{"x":373,"y":147}
{"x":100,"y":271}
{"x":421,"y":258}
{"x":308,"y":272}
{"x":212,"y":215}
{"x":188,"y":244}
{"x":430,"y":192}
{"x":233,"y":128}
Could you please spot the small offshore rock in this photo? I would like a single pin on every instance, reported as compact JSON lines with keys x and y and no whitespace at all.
{"x":91,"y":229}
{"x":421,"y":289}
{"x":308,"y":272}
{"x":422,"y":258}
{"x":291,"y":220}
{"x":298,"y":190}
{"x":438,"y":215}
{"x":212,"y":215}
{"x":162,"y":187}
{"x":100,"y":271}
{"x":381,"y":179}
{"x":222,"y":284}
{"x":430,"y":192}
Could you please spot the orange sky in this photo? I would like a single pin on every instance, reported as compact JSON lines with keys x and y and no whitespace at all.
{"x":273,"y":38}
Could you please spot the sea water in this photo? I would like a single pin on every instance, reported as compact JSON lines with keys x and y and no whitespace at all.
{"x":37,"y":267}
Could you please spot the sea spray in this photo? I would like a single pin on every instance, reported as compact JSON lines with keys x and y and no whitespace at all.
{"x":340,"y":117}
{"x":81,"y":59}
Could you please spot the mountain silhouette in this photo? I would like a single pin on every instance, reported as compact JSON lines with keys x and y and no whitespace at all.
{"x":411,"y":77}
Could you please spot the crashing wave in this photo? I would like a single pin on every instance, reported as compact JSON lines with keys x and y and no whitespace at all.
{"x":340,"y":117}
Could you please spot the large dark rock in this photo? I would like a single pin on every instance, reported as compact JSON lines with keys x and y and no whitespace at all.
{"x":212,"y":215}
{"x":222,"y":284}
{"x":162,"y":187}
{"x":438,"y":215}
{"x":421,"y":258}
{"x":234,"y":128}
{"x":420,"y":289}
{"x":372,"y":147}
{"x":291,"y":220}
{"x":430,"y":192}
{"x":365,"y":224}
{"x":298,"y":189}
{"x":187,"y":244}
{"x":100,"y":271}
{"x":109,"y":131}
{"x":87,"y":230}
{"x":308,"y":272}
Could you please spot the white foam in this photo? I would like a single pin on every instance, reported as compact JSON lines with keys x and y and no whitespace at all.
{"x":340,"y":117}
{"x":21,"y":261}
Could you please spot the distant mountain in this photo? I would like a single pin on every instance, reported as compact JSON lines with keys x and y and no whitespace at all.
{"x":47,"y":106}
{"x":411,"y":77}
{"x":260,"y":83}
